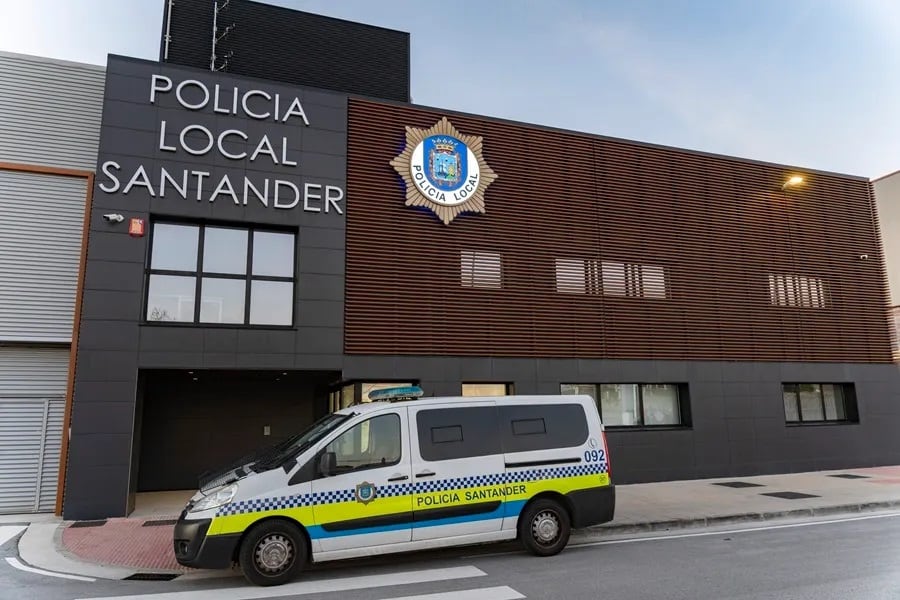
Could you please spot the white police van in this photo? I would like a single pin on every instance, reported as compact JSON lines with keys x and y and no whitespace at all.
{"x":395,"y":476}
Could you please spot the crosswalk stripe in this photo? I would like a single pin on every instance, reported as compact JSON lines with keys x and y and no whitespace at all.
{"x":492,"y":593}
{"x":313,"y":586}
{"x":8,"y":532}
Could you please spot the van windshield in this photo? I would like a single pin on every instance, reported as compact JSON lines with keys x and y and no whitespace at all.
{"x":288,"y":449}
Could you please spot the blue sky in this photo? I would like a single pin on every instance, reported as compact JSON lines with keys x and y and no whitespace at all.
{"x":811,"y":83}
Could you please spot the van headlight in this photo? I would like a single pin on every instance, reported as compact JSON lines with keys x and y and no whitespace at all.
{"x":216,"y":498}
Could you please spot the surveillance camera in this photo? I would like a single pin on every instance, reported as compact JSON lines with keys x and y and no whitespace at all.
{"x":863,"y":257}
{"x":114,"y":218}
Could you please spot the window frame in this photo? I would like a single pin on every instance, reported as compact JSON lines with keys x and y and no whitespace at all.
{"x":476,"y":281}
{"x":199,"y":274}
{"x":474,"y":446}
{"x":848,"y":397}
{"x":794,"y":290}
{"x":335,"y":438}
{"x":682,"y":399}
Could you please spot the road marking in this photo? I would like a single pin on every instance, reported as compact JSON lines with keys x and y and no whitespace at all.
{"x":8,"y":532}
{"x":321,"y":586}
{"x":676,"y":536}
{"x":14,"y":562}
{"x":493,"y":593}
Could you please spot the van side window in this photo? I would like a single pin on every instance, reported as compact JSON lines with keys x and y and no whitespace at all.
{"x":444,"y":435}
{"x":368,"y":445}
{"x":465,"y":432}
{"x":529,"y":427}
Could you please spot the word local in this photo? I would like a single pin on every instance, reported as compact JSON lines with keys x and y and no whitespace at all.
{"x":198,"y":140}
{"x":233,"y":144}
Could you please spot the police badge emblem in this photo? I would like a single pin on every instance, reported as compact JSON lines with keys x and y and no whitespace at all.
{"x":444,"y":170}
{"x":365,"y":492}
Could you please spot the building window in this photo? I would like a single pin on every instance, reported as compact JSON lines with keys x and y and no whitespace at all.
{"x":637,"y":405}
{"x":577,"y":276}
{"x":206,"y":274}
{"x":797,"y":290}
{"x":487,"y":389}
{"x":480,"y":269}
{"x":819,"y":403}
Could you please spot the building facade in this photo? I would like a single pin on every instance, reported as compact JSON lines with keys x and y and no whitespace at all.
{"x":49,"y":128}
{"x":887,"y":199}
{"x":265,"y":244}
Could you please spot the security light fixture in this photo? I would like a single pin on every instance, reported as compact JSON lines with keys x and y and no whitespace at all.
{"x":792,"y":182}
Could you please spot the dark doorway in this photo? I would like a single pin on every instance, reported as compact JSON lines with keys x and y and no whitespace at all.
{"x":195,"y":421}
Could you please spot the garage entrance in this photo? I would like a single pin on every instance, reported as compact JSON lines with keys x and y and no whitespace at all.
{"x":196,"y":421}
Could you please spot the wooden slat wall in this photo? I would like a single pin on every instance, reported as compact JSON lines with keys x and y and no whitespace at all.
{"x":719,"y":227}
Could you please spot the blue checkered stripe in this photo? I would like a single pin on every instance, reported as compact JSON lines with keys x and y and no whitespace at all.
{"x":334,"y":496}
{"x":403,"y":489}
{"x":443,"y":485}
{"x":264,"y":504}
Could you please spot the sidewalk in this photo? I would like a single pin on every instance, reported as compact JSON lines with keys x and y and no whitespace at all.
{"x":119,"y":548}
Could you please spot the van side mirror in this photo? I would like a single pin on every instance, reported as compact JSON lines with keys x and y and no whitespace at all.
{"x":327,"y":464}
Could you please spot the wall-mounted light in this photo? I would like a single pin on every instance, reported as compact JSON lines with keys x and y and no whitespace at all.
{"x":792,"y":182}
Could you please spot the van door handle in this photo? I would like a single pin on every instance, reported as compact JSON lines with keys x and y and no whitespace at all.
{"x":399,"y":477}
{"x":425,"y":474}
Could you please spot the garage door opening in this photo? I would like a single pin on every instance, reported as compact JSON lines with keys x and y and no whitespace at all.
{"x":193,"y":422}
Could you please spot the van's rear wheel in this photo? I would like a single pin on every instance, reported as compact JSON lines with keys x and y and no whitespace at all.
{"x":273,"y":553}
{"x":544,"y":527}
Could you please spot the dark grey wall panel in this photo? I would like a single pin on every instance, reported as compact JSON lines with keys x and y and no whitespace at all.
{"x":210,"y":422}
{"x":287,"y":45}
{"x":737,"y":410}
{"x":114,"y":342}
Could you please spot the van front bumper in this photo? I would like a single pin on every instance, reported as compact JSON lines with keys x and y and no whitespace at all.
{"x":193,"y":548}
{"x":593,"y":506}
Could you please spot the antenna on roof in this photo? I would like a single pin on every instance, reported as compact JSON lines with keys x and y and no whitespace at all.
{"x":216,"y":38}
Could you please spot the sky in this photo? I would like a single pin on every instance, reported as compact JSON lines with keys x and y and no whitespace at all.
{"x":806,"y":83}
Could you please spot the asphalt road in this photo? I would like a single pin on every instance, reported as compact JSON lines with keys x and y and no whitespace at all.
{"x":849,"y":559}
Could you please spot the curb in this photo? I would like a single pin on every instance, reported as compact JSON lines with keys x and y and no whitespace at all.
{"x":41,"y":545}
{"x":600,"y":532}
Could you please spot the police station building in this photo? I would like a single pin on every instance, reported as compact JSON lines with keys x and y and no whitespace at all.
{"x":201,"y":255}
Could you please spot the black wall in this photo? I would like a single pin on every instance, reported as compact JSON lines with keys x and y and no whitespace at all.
{"x":737,"y":410}
{"x":291,"y":46}
{"x":114,"y":342}
{"x":203,"y":421}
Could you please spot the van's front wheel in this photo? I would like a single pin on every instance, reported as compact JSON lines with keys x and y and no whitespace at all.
{"x":273,"y":553}
{"x":544,"y":527}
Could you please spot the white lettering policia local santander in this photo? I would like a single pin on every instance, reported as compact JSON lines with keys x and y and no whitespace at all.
{"x":198,"y":140}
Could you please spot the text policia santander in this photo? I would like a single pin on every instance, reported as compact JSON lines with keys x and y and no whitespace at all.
{"x":233,"y":144}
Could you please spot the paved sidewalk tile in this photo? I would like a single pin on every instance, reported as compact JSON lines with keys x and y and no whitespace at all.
{"x":124,"y":542}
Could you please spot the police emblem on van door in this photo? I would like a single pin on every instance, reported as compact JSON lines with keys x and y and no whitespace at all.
{"x":365,"y":492}
{"x":444,"y":170}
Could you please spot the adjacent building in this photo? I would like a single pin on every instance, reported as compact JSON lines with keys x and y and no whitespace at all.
{"x":271,"y":230}
{"x":887,"y":198}
{"x":49,"y":129}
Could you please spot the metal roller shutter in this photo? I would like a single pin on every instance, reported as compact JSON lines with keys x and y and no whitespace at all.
{"x":50,"y":111}
{"x":32,"y":401}
{"x":41,"y":220}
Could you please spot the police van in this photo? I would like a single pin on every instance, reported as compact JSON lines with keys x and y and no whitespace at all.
{"x":406,"y":473}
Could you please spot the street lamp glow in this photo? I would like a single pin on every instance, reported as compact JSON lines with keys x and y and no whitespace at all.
{"x":793,"y":181}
